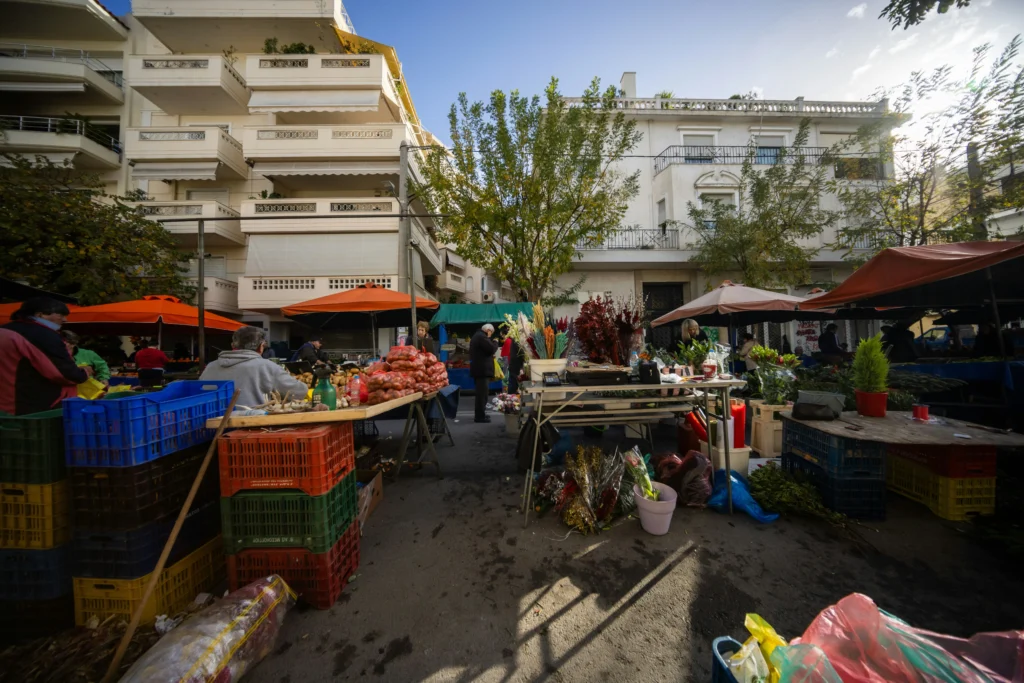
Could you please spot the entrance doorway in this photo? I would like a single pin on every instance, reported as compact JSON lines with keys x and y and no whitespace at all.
{"x":661,"y":298}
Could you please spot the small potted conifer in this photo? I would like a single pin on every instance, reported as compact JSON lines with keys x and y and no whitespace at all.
{"x":871,"y":377}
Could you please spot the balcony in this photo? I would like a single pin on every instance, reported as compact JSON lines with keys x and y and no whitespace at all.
{"x":262,"y":293}
{"x":220,"y":295}
{"x":196,"y":26}
{"x":77,"y":21}
{"x":635,"y":239}
{"x":321,"y":83}
{"x":734,"y":155}
{"x":192,"y":84}
{"x":60,"y":140}
{"x":220,"y":223}
{"x":797,"y":108}
{"x":427,"y":248}
{"x":338,"y":215}
{"x":451,"y":282}
{"x":372,"y":142}
{"x":184,"y":153}
{"x":37,"y":71}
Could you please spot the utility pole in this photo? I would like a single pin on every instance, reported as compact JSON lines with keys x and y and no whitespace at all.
{"x":201,"y":295}
{"x":406,"y":276}
{"x":976,"y":194}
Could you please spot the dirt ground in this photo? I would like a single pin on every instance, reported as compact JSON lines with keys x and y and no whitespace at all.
{"x":451,"y":587}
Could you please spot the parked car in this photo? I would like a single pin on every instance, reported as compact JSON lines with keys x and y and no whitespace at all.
{"x":940,"y":339}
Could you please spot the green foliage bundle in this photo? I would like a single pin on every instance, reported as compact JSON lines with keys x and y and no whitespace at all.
{"x":695,"y":353}
{"x":870,"y":366}
{"x":781,"y":492}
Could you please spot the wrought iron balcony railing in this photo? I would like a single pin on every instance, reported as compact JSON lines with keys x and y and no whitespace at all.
{"x":737,"y":154}
{"x":635,"y":239}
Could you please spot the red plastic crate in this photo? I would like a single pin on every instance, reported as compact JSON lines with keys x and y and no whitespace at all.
{"x":312,"y":459}
{"x":318,"y":579}
{"x":954,"y":461}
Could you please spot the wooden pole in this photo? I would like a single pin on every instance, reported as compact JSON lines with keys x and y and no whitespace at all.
{"x":115,"y":663}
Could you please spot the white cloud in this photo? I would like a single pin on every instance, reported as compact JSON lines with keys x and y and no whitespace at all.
{"x":859,"y":71}
{"x":874,"y":52}
{"x":903,"y":44}
{"x":757,"y":91}
{"x":858,"y":11}
{"x":832,"y":53}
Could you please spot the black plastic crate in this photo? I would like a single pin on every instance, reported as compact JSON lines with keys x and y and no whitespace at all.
{"x":22,"y":620}
{"x":856,"y":497}
{"x":35,"y":574}
{"x":124,"y":498}
{"x":131,"y":554}
{"x":32,"y":447}
{"x":838,"y":456}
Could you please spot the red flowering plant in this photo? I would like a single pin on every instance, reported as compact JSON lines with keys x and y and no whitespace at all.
{"x":609,"y":329}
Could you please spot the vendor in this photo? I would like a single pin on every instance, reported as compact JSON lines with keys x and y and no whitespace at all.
{"x":312,"y":351}
{"x":85,"y":357}
{"x":481,"y":368}
{"x":38,"y":369}
{"x":692,"y":332}
{"x":253,"y":375}
{"x":426,"y":342}
{"x":148,"y":358}
{"x":745,"y":349}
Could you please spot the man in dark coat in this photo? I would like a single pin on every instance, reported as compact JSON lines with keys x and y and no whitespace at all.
{"x":481,"y":367}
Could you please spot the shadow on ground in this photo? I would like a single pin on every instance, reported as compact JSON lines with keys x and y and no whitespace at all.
{"x":453,"y":588}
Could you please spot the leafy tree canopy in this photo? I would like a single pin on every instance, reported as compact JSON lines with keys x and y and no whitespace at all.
{"x":525,"y":182}
{"x":907,"y":13}
{"x":61,"y":232}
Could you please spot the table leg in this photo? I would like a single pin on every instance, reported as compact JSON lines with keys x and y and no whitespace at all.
{"x":404,"y":444}
{"x":422,"y":419}
{"x":707,"y":414}
{"x":533,"y":458}
{"x":723,"y":398}
{"x":444,"y":421}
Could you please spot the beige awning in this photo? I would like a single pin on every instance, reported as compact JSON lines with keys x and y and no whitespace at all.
{"x":274,"y":101}
{"x":454,"y":260}
{"x":181,"y":170}
{"x":299,"y":168}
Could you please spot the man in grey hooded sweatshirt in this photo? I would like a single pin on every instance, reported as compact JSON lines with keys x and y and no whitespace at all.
{"x":253,"y":375}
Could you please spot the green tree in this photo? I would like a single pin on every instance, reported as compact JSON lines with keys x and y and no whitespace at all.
{"x":524,"y":182}
{"x":61,"y":232}
{"x":907,"y":13}
{"x":778,"y":206}
{"x":930,"y":195}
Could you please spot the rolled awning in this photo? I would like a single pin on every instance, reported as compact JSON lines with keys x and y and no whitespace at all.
{"x":298,"y":168}
{"x":454,"y":260}
{"x":182,"y":170}
{"x":274,"y":101}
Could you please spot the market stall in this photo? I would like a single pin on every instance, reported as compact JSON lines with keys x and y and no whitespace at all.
{"x":456,"y":324}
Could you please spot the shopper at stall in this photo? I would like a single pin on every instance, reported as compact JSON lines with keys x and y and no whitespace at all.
{"x":254,"y":376}
{"x":148,"y":358}
{"x":312,"y":351}
{"x":85,"y":357}
{"x":481,"y":368}
{"x":37,"y":368}
{"x":426,"y":342}
{"x":692,"y":332}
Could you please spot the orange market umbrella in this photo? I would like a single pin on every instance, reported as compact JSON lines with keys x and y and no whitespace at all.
{"x":7,"y":310}
{"x":146,"y":316}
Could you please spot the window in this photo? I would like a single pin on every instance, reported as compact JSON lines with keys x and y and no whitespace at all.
{"x":483,"y":283}
{"x":768,"y":147}
{"x":698,"y":148}
{"x":707,"y":199}
{"x":469,"y":285}
{"x":213,"y":266}
{"x":859,"y":168}
{"x":662,"y":218}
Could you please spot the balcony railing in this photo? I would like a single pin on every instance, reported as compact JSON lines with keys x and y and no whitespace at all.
{"x":689,"y":154}
{"x":61,"y":54}
{"x":635,"y":239}
{"x":797,"y":107}
{"x":42,"y":124}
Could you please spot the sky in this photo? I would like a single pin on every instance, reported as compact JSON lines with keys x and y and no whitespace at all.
{"x":779,"y":49}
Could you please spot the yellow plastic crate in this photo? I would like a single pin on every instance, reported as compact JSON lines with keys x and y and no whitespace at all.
{"x":951,"y":498}
{"x":35,"y":516}
{"x":178,"y":586}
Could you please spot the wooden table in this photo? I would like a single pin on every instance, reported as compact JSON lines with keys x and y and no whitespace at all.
{"x":898,"y":428}
{"x":416,"y":401}
{"x":549,"y":403}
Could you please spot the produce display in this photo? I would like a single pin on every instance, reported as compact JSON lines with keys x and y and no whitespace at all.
{"x":339,"y":378}
{"x":404,"y":372}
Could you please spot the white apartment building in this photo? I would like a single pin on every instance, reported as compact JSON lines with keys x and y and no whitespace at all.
{"x":209,"y":126}
{"x":692,"y":151}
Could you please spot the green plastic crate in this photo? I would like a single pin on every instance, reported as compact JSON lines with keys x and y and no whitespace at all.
{"x":32,"y":448}
{"x":291,"y":519}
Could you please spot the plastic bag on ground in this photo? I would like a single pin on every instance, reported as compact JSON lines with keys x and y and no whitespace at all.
{"x":767,"y":639}
{"x":803,"y":663}
{"x":748,"y":665}
{"x":221,"y":642}
{"x":695,"y":485}
{"x":741,"y":498}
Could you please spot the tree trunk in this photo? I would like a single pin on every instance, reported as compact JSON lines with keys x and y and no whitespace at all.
{"x":977,"y":194}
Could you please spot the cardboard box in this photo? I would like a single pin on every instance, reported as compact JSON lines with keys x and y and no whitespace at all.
{"x":370,"y":493}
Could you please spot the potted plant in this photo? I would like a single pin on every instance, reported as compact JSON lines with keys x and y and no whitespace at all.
{"x":508,"y":405}
{"x":871,"y":377}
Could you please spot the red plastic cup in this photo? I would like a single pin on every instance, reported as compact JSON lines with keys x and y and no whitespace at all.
{"x":920,"y":411}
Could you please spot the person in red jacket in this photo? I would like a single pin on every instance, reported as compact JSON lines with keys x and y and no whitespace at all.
{"x":147,"y":358}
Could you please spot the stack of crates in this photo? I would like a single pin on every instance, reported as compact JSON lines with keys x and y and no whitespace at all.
{"x":35,"y":527}
{"x":849,"y":473}
{"x":766,"y":430}
{"x":955,"y":482}
{"x":288,"y":507}
{"x":132,"y":461}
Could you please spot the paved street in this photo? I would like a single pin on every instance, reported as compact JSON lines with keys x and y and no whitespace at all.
{"x":452,"y":588}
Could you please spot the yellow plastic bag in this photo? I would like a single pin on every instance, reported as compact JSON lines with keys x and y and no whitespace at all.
{"x":768,"y":640}
{"x":91,"y":389}
{"x":749,"y":665}
{"x":498,"y":374}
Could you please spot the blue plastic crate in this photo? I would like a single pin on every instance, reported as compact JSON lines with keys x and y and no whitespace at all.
{"x":131,"y":431}
{"x":838,"y":456}
{"x":856,"y":497}
{"x":35,"y":574}
{"x":721,"y":648}
{"x":131,"y":554}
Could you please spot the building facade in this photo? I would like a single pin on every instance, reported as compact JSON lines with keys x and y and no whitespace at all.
{"x":215,"y":115}
{"x":692,"y":151}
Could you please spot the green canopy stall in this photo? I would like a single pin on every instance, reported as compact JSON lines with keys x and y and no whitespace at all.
{"x":456,"y":323}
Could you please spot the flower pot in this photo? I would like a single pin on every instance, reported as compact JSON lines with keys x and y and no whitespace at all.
{"x":656,"y":515}
{"x":871,"y":404}
{"x":539,"y":366}
{"x":511,"y":423}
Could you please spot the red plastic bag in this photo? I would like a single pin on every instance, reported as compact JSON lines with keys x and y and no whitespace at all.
{"x":402,"y":353}
{"x":378,"y":367}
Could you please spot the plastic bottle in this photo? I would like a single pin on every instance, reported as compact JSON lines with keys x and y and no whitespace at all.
{"x":325,"y":393}
{"x":354,"y":390}
{"x":634,"y":362}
